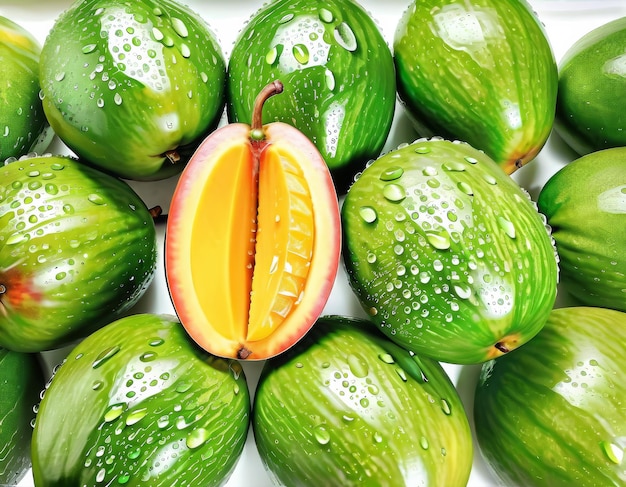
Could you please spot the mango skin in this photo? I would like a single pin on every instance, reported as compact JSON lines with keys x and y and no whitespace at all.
{"x":585,"y":204}
{"x":153,"y":408}
{"x":447,"y":254}
{"x":338,"y":74}
{"x":591,"y":106}
{"x":23,"y":124}
{"x":479,"y":71}
{"x":127,"y":81}
{"x":551,"y":414}
{"x":77,"y":249}
{"x":21,"y":381}
{"x":348,"y":407}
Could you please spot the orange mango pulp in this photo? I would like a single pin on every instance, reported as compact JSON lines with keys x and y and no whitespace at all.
{"x":253,"y":241}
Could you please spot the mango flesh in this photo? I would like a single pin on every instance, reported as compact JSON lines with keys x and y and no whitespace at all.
{"x":23,"y":125}
{"x":253,"y":241}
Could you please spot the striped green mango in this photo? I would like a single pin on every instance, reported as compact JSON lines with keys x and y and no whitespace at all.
{"x":480,"y":71}
{"x":551,"y":414}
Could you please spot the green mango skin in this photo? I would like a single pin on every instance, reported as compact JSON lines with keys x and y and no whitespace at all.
{"x":77,"y":249}
{"x":21,"y":381}
{"x":591,"y":107}
{"x":152,"y":408}
{"x":348,"y":407}
{"x":585,"y":204}
{"x":23,"y":124}
{"x":126,"y":81}
{"x":480,"y":71}
{"x":338,"y":76}
{"x":447,"y":254}
{"x":551,"y":414}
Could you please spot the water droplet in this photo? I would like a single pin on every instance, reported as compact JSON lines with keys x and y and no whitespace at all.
{"x":368,"y":214}
{"x":392,"y":173}
{"x":430,"y":171}
{"x":387,"y":358}
{"x":114,"y":412}
{"x":345,"y":37}
{"x":364,"y":402}
{"x":104,"y":356}
{"x":463,"y":291}
{"x":136,"y":416}
{"x":378,"y":438}
{"x":197,"y":438}
{"x":454,"y":166}
{"x":156,"y":342}
{"x":179,"y":27}
{"x":440,"y":241}
{"x":97,"y":385}
{"x":273,"y":54}
{"x":148,"y":357}
{"x":134,"y":454}
{"x":613,"y":452}
{"x":286,"y":18}
{"x":466,"y":188}
{"x":16,"y":238}
{"x":183,"y":386}
{"x":89,"y":48}
{"x":445,"y":407}
{"x":394,"y":192}
{"x":96,"y":199}
{"x":330,"y":79}
{"x":60,"y":76}
{"x":117,"y":98}
{"x":490,"y":179}
{"x":185,"y":50}
{"x":100,"y":475}
{"x":424,"y":443}
{"x":301,"y":53}
{"x":507,"y":226}
{"x":326,"y":15}
{"x":358,"y":366}
{"x":321,"y":434}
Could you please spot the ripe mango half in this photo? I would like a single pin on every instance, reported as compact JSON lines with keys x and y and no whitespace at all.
{"x":253,"y":240}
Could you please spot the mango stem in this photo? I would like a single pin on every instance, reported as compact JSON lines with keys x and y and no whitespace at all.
{"x":271,"y":89}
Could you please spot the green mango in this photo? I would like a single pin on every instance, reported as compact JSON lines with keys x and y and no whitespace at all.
{"x":348,"y":407}
{"x":447,"y":254}
{"x":585,"y":204}
{"x":551,"y":414}
{"x":23,"y":124}
{"x":479,"y":71}
{"x":338,"y":77}
{"x":77,"y":249}
{"x":132,"y":86}
{"x":591,"y":106}
{"x":137,"y":403}
{"x":21,"y":381}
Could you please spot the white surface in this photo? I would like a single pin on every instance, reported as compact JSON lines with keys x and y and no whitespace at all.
{"x":565,"y":21}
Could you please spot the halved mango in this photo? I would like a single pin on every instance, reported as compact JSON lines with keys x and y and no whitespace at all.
{"x":253,"y":241}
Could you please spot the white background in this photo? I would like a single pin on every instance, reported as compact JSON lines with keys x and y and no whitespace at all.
{"x":565,"y":21}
